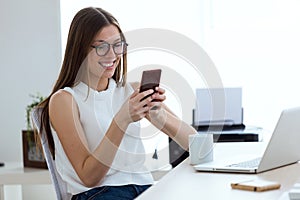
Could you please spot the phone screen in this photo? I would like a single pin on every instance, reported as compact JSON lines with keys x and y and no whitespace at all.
{"x":150,"y":80}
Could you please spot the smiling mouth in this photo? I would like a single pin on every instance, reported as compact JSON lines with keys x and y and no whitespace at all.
{"x":107,"y":65}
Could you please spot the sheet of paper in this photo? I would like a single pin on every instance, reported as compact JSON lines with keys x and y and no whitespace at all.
{"x":216,"y":106}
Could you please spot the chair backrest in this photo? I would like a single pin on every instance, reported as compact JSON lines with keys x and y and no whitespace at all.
{"x":59,"y":185}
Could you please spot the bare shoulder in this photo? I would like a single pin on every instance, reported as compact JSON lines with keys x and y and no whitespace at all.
{"x":62,"y":108}
{"x":61,"y":101}
{"x":135,"y":85}
{"x":61,"y":97}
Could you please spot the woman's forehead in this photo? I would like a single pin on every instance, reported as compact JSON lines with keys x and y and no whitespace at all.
{"x":109,"y":33}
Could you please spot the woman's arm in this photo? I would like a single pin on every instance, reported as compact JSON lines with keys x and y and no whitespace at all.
{"x":166,"y":121}
{"x":91,"y":167}
{"x":170,"y":124}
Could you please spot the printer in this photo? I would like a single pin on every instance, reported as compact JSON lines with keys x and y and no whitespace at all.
{"x":219,"y":111}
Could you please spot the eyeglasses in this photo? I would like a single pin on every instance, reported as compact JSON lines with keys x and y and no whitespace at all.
{"x":118,"y":47}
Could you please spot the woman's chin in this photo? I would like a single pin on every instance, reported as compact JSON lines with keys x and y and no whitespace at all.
{"x":108,"y":73}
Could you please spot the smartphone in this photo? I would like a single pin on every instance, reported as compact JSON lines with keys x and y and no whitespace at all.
{"x":150,"y":80}
{"x":256,"y":185}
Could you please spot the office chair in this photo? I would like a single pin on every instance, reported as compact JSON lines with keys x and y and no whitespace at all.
{"x":59,"y":185}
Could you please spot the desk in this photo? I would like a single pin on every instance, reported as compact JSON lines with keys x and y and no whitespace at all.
{"x":15,"y":174}
{"x":184,"y":183}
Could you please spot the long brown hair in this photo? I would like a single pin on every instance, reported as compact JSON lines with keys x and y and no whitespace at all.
{"x":84,"y":27}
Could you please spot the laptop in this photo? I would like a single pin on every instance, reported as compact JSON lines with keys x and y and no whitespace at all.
{"x":282,"y":149}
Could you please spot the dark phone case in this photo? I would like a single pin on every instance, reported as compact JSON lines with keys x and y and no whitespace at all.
{"x":150,"y":80}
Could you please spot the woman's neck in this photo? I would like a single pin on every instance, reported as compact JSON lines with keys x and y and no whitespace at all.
{"x":98,"y":85}
{"x":102,"y":85}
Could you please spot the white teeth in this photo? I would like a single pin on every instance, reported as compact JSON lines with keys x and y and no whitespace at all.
{"x":106,"y":64}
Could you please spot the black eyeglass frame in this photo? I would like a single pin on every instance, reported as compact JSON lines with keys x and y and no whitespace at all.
{"x":109,"y":46}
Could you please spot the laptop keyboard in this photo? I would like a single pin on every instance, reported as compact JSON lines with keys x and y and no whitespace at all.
{"x":247,"y":164}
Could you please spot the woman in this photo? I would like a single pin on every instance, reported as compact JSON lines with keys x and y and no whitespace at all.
{"x":92,"y":115}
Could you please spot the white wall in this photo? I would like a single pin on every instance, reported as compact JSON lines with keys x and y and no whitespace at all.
{"x":185,"y":17}
{"x":30,"y":57}
{"x":256,"y":45}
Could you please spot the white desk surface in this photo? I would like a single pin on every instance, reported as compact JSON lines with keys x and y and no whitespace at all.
{"x":13,"y":173}
{"x":185,"y":183}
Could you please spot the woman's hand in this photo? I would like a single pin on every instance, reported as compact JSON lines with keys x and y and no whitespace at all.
{"x":157,"y":111}
{"x":159,"y":95}
{"x":134,"y":109}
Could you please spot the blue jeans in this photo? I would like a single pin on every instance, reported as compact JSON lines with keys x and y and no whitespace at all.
{"x":126,"y":192}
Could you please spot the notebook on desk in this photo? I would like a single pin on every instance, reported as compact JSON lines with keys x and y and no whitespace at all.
{"x":282,"y":149}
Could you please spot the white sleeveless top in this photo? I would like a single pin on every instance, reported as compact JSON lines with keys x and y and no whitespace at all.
{"x":96,"y":110}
